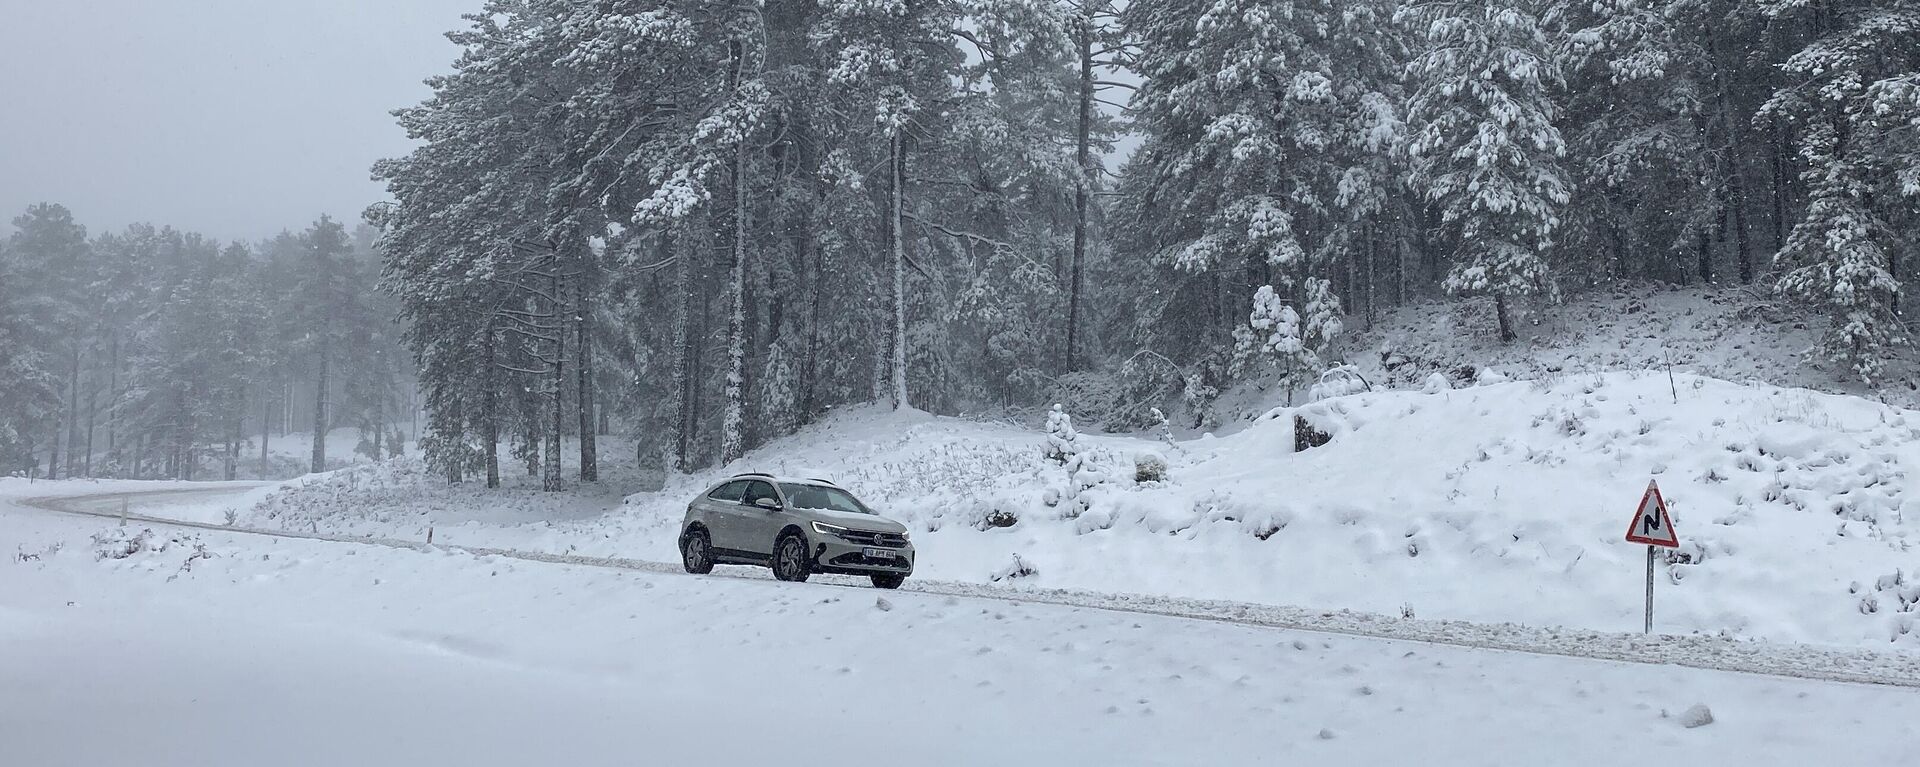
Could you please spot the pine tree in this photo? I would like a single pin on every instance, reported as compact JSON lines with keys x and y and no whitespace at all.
{"x":28,"y":393}
{"x":1295,"y":342}
{"x":1269,"y":132}
{"x":1484,"y":146}
{"x":1856,"y":113}
{"x":1661,"y":103}
{"x":52,"y":260}
{"x":890,"y":66}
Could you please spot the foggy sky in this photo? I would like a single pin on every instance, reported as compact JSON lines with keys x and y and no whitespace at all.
{"x":236,"y":118}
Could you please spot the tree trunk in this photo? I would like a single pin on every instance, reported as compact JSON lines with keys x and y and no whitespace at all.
{"x":1780,"y":149}
{"x":93,"y":411}
{"x":1083,"y":140}
{"x":583,"y":373}
{"x":550,"y":480}
{"x":233,"y":450}
{"x":683,"y":354}
{"x":320,"y":384}
{"x":266,"y":422}
{"x":532,"y":438}
{"x":113,"y":396}
{"x":1507,"y":335}
{"x":490,"y":411}
{"x":1742,"y":244}
{"x":1736,"y":191}
{"x":1373,"y":265}
{"x":456,"y":470}
{"x":733,"y":418}
{"x":896,"y":216}
{"x":53,"y":455}
{"x":1403,"y":255}
{"x":696,"y":383}
{"x":71,"y":413}
{"x":1705,"y":250}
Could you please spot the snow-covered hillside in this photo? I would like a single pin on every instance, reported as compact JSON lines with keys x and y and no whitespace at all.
{"x":1732,"y":333}
{"x":1494,"y":503}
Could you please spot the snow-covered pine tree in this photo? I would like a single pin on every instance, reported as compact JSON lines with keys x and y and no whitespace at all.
{"x":1099,"y":50}
{"x":1063,"y":443}
{"x":1484,"y":147}
{"x":51,"y":260}
{"x":890,"y":66}
{"x":326,"y":305}
{"x":1856,"y":109}
{"x":28,"y":393}
{"x":1268,"y":131}
{"x":1291,"y":341}
{"x":1659,"y":112}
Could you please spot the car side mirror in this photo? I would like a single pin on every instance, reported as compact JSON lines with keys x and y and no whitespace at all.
{"x":770,"y":504}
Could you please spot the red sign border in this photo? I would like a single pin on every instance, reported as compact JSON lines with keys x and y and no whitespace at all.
{"x":1660,"y":501}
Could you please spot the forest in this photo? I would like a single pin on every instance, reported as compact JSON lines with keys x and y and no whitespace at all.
{"x":704,"y":225}
{"x":152,"y":352}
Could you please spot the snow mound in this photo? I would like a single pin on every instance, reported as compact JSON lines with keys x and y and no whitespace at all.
{"x":1698,"y":715}
{"x":1496,"y":503}
{"x":1499,"y":502}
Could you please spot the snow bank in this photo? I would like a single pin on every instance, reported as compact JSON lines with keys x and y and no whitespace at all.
{"x":1497,"y":503}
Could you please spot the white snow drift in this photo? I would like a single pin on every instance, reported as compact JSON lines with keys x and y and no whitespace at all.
{"x":1495,"y":503}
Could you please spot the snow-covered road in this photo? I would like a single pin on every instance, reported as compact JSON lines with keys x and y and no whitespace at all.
{"x":1894,"y":667}
{"x":294,"y":652}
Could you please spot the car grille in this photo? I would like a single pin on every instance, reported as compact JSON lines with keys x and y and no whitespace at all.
{"x":861,"y":560}
{"x":878,"y":540}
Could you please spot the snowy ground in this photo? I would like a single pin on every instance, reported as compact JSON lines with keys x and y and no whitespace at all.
{"x":1503,"y":503}
{"x":1731,"y":333}
{"x":219,"y":649}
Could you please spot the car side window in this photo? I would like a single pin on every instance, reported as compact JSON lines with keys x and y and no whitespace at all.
{"x":730,"y":491}
{"x":758,"y":490}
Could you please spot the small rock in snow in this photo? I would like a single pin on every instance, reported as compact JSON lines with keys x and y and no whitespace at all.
{"x":1326,"y":734}
{"x":882,"y":604}
{"x":1299,"y":645}
{"x":1697,"y":716}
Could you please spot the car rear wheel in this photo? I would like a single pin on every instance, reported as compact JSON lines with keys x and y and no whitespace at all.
{"x":888,"y":580}
{"x":696,"y":552}
{"x":790,"y":561}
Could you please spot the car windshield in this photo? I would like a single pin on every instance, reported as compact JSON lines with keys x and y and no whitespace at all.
{"x":821,"y":497}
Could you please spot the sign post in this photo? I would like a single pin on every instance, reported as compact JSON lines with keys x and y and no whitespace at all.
{"x":1654,"y":527}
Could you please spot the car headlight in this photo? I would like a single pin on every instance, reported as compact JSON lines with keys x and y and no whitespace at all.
{"x":826,"y":529}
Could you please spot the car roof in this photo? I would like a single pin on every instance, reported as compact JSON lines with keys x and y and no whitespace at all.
{"x":781,"y":480}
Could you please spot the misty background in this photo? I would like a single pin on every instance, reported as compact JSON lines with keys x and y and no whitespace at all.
{"x":236,"y":118}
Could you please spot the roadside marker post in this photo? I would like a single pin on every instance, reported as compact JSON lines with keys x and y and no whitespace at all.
{"x":1653,"y":526}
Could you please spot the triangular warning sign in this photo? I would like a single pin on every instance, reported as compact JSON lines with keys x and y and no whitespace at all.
{"x":1651,"y":524}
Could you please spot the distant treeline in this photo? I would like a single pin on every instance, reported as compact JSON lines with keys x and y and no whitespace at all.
{"x":153,"y":352}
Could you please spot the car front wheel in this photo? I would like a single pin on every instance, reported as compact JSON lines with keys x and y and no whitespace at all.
{"x":790,"y":559}
{"x":888,"y":580}
{"x":696,"y":553}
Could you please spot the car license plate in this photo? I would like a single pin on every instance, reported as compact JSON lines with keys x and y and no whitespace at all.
{"x":878,"y":554}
